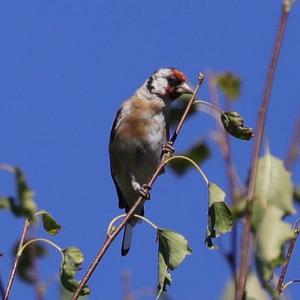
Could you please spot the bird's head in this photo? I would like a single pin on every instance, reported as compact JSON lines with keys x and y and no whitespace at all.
{"x":168,"y":83}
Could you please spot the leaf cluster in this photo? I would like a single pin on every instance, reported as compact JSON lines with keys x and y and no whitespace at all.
{"x":24,"y":204}
{"x":31,"y":249}
{"x":73,"y":259}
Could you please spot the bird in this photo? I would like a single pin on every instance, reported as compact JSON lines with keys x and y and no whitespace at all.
{"x":139,"y":135}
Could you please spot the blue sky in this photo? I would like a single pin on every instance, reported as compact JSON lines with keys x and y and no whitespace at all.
{"x":66,"y":66}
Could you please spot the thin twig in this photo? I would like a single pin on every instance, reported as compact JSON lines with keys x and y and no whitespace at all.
{"x":289,"y":283}
{"x":188,"y":108}
{"x":292,"y":155}
{"x":234,"y":182}
{"x":245,"y":243}
{"x":114,"y":220}
{"x":182,"y":157}
{"x":17,"y":259}
{"x":140,"y":201}
{"x":32,"y":251}
{"x":21,"y":249}
{"x":214,"y":108}
{"x":294,"y":149}
{"x":224,"y":143}
{"x":127,"y":294}
{"x":292,"y":244}
{"x":39,"y":290}
{"x":2,"y":290}
{"x":7,"y":168}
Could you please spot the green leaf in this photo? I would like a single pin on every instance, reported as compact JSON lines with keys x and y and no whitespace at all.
{"x":27,"y":206}
{"x":164,"y":276}
{"x":219,"y":215}
{"x":215,"y":193}
{"x":173,"y":246}
{"x":273,"y":199}
{"x":234,"y":125}
{"x":254,"y":289}
{"x":172,"y":249}
{"x":198,"y":153}
{"x":273,"y":187}
{"x":73,"y":259}
{"x":26,"y":267}
{"x":49,"y":223}
{"x":5,"y":202}
{"x":271,"y":238}
{"x":230,"y":85}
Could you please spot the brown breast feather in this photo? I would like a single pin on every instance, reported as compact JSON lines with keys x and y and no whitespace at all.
{"x":134,"y":125}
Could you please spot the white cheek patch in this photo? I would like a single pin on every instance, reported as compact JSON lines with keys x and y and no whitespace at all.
{"x":160,"y":85}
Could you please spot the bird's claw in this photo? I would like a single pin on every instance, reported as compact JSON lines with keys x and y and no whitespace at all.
{"x":144,"y":191}
{"x":168,"y":150}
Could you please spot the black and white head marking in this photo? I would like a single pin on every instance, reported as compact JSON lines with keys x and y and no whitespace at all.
{"x":165,"y":84}
{"x":157,"y":84}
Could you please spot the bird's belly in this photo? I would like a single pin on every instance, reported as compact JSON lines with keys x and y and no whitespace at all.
{"x":139,"y":157}
{"x":145,"y":155}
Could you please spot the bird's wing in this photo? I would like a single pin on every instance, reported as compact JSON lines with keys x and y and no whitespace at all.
{"x":122,"y":202}
{"x":167,"y":131}
{"x":115,"y":125}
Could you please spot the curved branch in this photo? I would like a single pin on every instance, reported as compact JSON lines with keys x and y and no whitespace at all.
{"x":289,"y":283}
{"x":191,"y":162}
{"x":20,"y":251}
{"x":109,"y":228}
{"x":210,"y":105}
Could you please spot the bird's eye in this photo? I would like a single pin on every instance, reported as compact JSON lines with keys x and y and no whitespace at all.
{"x":171,"y":79}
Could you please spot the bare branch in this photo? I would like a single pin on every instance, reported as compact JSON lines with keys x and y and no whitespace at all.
{"x":2,"y":290}
{"x":234,"y":182}
{"x":294,"y":149}
{"x":245,"y":244}
{"x":292,"y":244}
{"x":8,"y":168}
{"x":17,"y":259}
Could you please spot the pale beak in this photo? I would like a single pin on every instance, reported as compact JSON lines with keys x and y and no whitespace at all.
{"x":184,"y":88}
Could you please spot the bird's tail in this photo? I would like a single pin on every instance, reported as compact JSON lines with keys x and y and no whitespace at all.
{"x":127,"y":238}
{"x":128,"y":231}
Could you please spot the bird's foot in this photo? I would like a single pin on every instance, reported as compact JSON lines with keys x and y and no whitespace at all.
{"x":168,"y":150}
{"x":144,"y":190}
